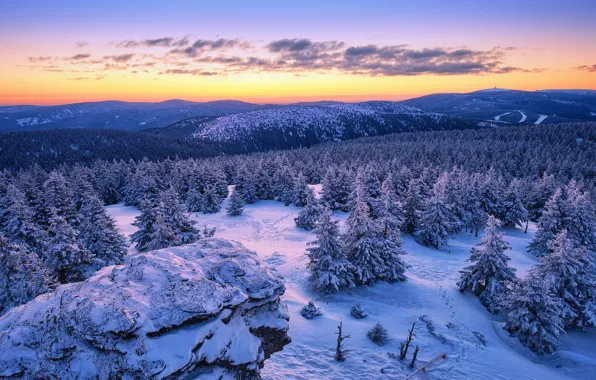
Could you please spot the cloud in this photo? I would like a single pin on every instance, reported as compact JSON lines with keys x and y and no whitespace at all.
{"x":39,"y":59}
{"x":588,"y":68}
{"x":78,"y":57}
{"x":120,"y":57}
{"x":81,"y":44}
{"x":79,"y":78}
{"x":200,"y":47}
{"x":157,"y":42}
{"x":191,"y":72}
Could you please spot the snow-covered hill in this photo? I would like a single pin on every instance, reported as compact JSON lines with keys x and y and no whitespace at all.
{"x":299,"y":126}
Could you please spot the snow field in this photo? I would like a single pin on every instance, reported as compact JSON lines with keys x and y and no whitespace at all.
{"x":268,"y":228}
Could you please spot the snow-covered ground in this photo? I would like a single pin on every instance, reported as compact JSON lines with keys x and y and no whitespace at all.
{"x":541,"y":118}
{"x":268,"y":228}
{"x":523,"y":117}
{"x":498,"y":117}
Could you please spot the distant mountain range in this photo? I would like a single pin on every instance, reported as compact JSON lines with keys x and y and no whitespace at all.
{"x":114,"y":115}
{"x":500,"y":105}
{"x":512,"y":106}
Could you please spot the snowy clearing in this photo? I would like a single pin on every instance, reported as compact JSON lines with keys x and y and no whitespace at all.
{"x":523,"y":117}
{"x":498,"y":117}
{"x":541,"y":119}
{"x":268,"y":228}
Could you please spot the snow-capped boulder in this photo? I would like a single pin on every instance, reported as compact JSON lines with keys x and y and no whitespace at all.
{"x":207,"y":309}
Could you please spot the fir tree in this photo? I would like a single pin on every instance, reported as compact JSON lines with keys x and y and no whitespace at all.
{"x":389,"y":206}
{"x":569,"y":271}
{"x":378,"y":334}
{"x":98,"y":234}
{"x":489,"y":272}
{"x":211,"y":202}
{"x":162,"y":236}
{"x":18,"y":220}
{"x":472,"y":213}
{"x":58,"y":196}
{"x":337,"y":188}
{"x":534,"y":316}
{"x":370,"y":246}
{"x":63,"y":255}
{"x":310,"y":311}
{"x":437,"y":220}
{"x":174,"y":216}
{"x":413,"y":205}
{"x":358,"y":312}
{"x":236,"y":206}
{"x":514,"y":211}
{"x":329,"y":268}
{"x":551,"y":222}
{"x":145,"y":224}
{"x":246,"y":187}
{"x":194,"y":200}
{"x":284,"y":187}
{"x":22,"y":275}
{"x":301,"y":191}
{"x":307,"y":217}
{"x":581,"y":220}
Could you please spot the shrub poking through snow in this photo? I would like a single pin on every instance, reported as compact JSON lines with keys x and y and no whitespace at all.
{"x":378,"y":334}
{"x":310,"y":311}
{"x":357,"y":311}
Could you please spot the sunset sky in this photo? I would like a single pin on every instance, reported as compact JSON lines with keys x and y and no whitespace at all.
{"x":54,"y":52}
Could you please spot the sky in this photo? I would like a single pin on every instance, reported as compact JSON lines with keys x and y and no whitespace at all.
{"x":56,"y":52}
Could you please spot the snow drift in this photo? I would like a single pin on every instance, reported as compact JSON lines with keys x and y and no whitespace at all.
{"x":206,"y":309}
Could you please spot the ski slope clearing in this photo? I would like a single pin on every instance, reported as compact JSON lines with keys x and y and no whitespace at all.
{"x":523,"y":117}
{"x":541,"y":119}
{"x":498,"y":117}
{"x":446,"y":321}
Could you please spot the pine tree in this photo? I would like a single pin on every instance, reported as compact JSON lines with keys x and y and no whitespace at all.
{"x":389,"y":206}
{"x":174,"y":216}
{"x":329,"y":268}
{"x":472,"y":213}
{"x":143,"y":186}
{"x":284,"y":188}
{"x":491,"y":193}
{"x":58,"y":196}
{"x":337,"y":188}
{"x":18,"y":220}
{"x":436,"y":220}
{"x":570,"y":273}
{"x":145,"y":224}
{"x":236,"y":206}
{"x":581,"y":220}
{"x":551,"y":222}
{"x":211,"y":202}
{"x":489,"y":272}
{"x":98,"y":234}
{"x":413,"y":205}
{"x":246,"y":187}
{"x":301,"y":191}
{"x":371,"y":248}
{"x":194,"y":200}
{"x":514,"y":211}
{"x":308,"y":216}
{"x":534,"y":316}
{"x":63,"y":255}
{"x":162,"y":236}
{"x":22,"y":275}
{"x":540,"y":194}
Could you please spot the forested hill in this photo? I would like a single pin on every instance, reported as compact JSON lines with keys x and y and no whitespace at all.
{"x":51,"y":148}
{"x":303,"y":126}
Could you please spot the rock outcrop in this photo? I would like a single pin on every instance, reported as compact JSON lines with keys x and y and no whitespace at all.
{"x":207,"y":309}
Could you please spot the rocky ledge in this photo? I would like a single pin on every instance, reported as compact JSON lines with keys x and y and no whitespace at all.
{"x":209,"y":309}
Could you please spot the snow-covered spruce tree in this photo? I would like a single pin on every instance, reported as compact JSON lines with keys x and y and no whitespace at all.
{"x":162,"y":236}
{"x":472,"y":212}
{"x":436,"y":220}
{"x":308,"y":216}
{"x":18,"y":220}
{"x":176,"y":219}
{"x":98,"y":234}
{"x":534,"y":316}
{"x":514,"y":212}
{"x":581,"y":221}
{"x":58,"y":196}
{"x":22,"y":275}
{"x":284,"y":187}
{"x":245,"y":185}
{"x":368,"y":177}
{"x":211,"y":202}
{"x":551,"y":222}
{"x":491,"y":193}
{"x":489,"y":272}
{"x":389,"y":206}
{"x":373,"y":250}
{"x":310,"y":311}
{"x":63,"y":255}
{"x":81,"y":182}
{"x":337,"y":188}
{"x":143,"y":185}
{"x":540,"y":193}
{"x":570,"y":274}
{"x":145,"y":224}
{"x":358,"y":312}
{"x":378,"y":334}
{"x":413,"y":205}
{"x":301,"y":190}
{"x":194,"y":200}
{"x":329,"y":268}
{"x":236,"y":205}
